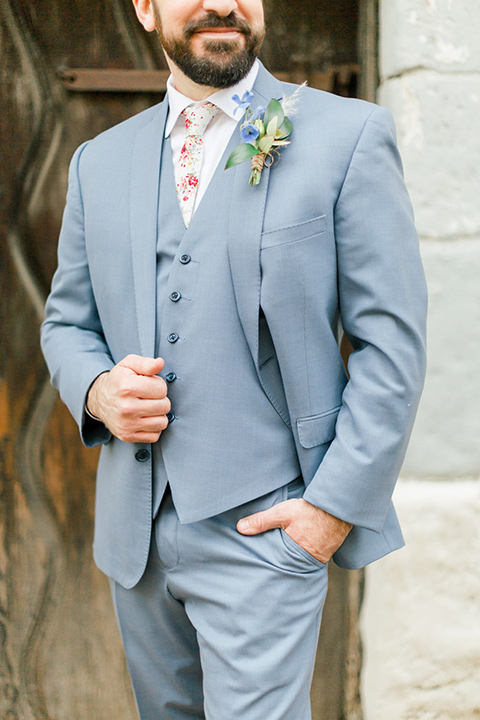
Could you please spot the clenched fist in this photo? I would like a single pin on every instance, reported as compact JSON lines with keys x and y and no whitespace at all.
{"x":131,"y":399}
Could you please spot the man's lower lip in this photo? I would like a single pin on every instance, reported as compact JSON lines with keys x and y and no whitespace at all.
{"x":218,"y":32}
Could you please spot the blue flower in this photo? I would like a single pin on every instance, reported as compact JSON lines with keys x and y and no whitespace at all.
{"x":244,"y":103}
{"x":249,"y":132}
{"x":259,"y":113}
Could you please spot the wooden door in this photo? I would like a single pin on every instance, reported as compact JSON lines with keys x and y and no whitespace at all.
{"x":60,"y":654}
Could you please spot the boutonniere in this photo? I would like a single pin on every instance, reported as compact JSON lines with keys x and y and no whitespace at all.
{"x":263,"y":132}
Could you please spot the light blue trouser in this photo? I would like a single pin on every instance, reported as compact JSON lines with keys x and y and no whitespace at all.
{"x":223,"y":626}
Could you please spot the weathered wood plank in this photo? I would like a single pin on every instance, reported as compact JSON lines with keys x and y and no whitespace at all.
{"x":155,"y":81}
{"x":60,"y":654}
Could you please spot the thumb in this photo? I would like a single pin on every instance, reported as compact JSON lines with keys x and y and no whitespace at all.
{"x":274,"y":517}
{"x":143,"y":365}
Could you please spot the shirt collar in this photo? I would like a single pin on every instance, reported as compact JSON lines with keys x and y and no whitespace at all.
{"x":221,"y":98}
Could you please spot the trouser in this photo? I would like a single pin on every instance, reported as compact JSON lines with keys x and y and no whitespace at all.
{"x":223,"y":626}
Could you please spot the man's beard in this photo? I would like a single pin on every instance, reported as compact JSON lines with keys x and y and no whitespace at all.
{"x":224,"y":63}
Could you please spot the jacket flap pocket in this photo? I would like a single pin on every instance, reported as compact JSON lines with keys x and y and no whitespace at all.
{"x":294,"y":233}
{"x":317,"y":429}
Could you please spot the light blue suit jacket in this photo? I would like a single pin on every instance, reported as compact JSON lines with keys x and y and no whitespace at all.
{"x":327,"y":236}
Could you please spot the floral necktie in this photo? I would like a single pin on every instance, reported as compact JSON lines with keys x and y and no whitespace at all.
{"x":187,"y":170}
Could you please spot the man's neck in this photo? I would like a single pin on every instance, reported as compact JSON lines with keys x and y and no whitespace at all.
{"x":187,"y":87}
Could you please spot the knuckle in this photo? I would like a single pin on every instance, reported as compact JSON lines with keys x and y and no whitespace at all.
{"x":297,"y":506}
{"x":128,"y":425}
{"x":166,"y":405}
{"x":127,"y":409}
{"x":124,"y":433}
{"x":124,"y":362}
{"x":124,"y":388}
{"x":258,"y":522}
{"x":162,"y":386}
{"x":126,"y":437}
{"x":131,"y":357}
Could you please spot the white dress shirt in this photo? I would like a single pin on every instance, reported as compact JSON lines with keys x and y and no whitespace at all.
{"x":219,"y":130}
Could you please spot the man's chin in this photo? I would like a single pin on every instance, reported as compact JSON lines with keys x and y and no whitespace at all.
{"x":210,"y":61}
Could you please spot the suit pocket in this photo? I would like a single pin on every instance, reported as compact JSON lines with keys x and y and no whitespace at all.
{"x":294,"y":233}
{"x":317,"y":429}
{"x":299,"y":551}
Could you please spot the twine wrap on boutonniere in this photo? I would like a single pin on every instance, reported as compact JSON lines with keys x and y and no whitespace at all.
{"x":263,"y":132}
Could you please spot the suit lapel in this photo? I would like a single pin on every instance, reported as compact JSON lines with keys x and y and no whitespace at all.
{"x":247,"y":210}
{"x":144,"y":179}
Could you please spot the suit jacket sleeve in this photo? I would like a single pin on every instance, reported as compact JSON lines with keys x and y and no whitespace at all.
{"x":72,"y":338}
{"x":382,"y":298}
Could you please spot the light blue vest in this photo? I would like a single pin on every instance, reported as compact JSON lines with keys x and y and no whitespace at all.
{"x":212,"y":382}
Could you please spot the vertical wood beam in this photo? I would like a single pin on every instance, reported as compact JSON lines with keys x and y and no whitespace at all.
{"x":367,"y":47}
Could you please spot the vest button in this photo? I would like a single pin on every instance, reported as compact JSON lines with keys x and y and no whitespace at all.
{"x":185,"y":259}
{"x":175,"y":296}
{"x":170,"y":377}
{"x":142,"y":455}
{"x":173,"y":337}
{"x":170,"y":417}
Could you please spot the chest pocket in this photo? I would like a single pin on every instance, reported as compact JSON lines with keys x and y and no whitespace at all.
{"x":294,"y":233}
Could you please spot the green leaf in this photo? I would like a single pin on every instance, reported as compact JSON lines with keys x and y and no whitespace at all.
{"x":242,"y":152}
{"x":285,"y":128}
{"x":274,"y":109}
{"x":272,"y":127}
{"x":265,"y":144}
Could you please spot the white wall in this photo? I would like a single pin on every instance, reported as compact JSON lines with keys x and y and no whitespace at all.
{"x":430,"y":79}
{"x":421,"y":617}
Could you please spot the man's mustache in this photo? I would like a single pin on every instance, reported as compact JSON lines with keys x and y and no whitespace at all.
{"x":212,"y":20}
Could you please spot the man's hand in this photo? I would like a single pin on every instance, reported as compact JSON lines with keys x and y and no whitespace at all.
{"x":131,"y":400}
{"x":319,"y":533}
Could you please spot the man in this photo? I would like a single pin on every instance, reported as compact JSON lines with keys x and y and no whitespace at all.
{"x":195,"y":335}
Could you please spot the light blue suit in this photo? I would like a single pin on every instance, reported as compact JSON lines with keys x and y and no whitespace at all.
{"x":327,"y":236}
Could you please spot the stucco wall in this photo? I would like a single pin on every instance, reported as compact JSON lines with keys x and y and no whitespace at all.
{"x":421,"y":616}
{"x":430,"y":79}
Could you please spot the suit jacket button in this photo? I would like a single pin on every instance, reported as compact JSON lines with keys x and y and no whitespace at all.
{"x":173,"y":337}
{"x":185,"y":259}
{"x":175,"y":296}
{"x":142,"y":455}
{"x":170,"y":417}
{"x":170,"y":377}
